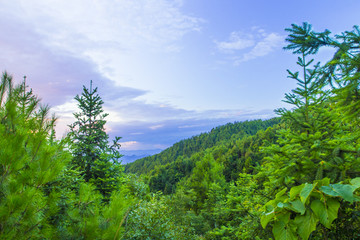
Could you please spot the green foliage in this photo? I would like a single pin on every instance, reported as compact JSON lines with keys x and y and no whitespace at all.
{"x":236,"y":155}
{"x":305,"y":148}
{"x":294,"y":177}
{"x":85,"y":216}
{"x":164,"y":178}
{"x":241,"y":211}
{"x":206,"y":199}
{"x":41,"y":196}
{"x":29,"y":159}
{"x":95,"y":159}
{"x":320,"y":141}
{"x":297,"y":213}
{"x":153,"y":220}
{"x":186,"y":148}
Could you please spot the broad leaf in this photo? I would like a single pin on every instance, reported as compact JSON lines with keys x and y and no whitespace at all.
{"x":326,"y":214}
{"x":306,"y":224}
{"x":283,"y":231}
{"x":306,"y":191}
{"x":355,"y":182}
{"x":298,"y":206}
{"x":340,"y":190}
{"x":266,"y":218}
{"x":281,"y":205}
{"x":294,"y":191}
{"x":284,"y":217}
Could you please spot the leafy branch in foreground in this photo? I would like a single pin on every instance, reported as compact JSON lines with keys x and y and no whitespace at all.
{"x":297,"y":213}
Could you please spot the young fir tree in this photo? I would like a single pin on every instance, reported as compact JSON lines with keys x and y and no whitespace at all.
{"x":309,"y":148}
{"x":95,"y":158}
{"x":319,"y":146}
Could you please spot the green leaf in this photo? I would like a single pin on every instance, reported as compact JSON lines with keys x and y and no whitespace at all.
{"x":306,"y":191}
{"x":326,"y":213}
{"x":284,"y":217}
{"x":356,"y":182}
{"x":298,"y":206}
{"x":266,"y":218}
{"x":324,"y":182}
{"x":294,"y":191}
{"x":340,"y":190}
{"x":329,"y":191}
{"x":306,"y":224}
{"x":281,"y":205}
{"x":283,"y":231}
{"x":281,"y":193}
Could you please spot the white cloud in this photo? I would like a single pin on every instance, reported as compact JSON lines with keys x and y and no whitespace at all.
{"x":118,"y":37}
{"x":135,"y":145}
{"x":130,"y":145}
{"x":263,"y":47}
{"x":64,"y":44}
{"x":237,"y":41}
{"x":156,"y":126}
{"x":67,"y":109}
{"x":258,"y":42}
{"x":81,"y":25}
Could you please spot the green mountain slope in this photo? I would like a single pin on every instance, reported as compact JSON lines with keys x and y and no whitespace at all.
{"x":234,"y":145}
{"x":186,"y":148}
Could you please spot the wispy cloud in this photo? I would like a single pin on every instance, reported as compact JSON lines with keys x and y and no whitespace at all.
{"x":245,"y":47}
{"x":61,"y":45}
{"x":237,"y":41}
{"x":122,"y":24}
{"x":156,"y":126}
{"x":265,"y":46}
{"x":130,"y":145}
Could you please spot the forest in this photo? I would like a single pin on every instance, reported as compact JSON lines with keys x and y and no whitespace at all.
{"x":296,"y":176}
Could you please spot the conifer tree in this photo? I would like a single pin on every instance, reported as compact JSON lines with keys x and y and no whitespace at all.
{"x":41,"y":197}
{"x":95,"y":158}
{"x":318,"y":149}
{"x":30,"y":159}
{"x":309,"y":148}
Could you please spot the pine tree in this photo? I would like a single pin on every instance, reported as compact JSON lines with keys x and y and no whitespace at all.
{"x":30,"y":159}
{"x":97,"y":161}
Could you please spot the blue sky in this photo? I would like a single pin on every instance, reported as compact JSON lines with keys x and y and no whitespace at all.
{"x":166,"y":70}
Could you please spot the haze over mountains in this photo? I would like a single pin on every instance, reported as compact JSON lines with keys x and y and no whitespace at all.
{"x":130,"y":156}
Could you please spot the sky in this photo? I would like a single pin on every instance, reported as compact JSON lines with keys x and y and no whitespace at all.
{"x":166,"y":70}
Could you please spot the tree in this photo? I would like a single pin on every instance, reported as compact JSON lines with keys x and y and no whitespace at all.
{"x":30,"y":159}
{"x":152,"y":219}
{"x":320,"y":140}
{"x":95,"y":158}
{"x":311,"y":145}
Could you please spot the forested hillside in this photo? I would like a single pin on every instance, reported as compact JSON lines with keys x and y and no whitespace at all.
{"x":292,"y":177}
{"x":240,"y":156}
{"x":226,"y":134}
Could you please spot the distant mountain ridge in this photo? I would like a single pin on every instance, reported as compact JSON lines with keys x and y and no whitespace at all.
{"x":186,"y":148}
{"x":132,"y":155}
